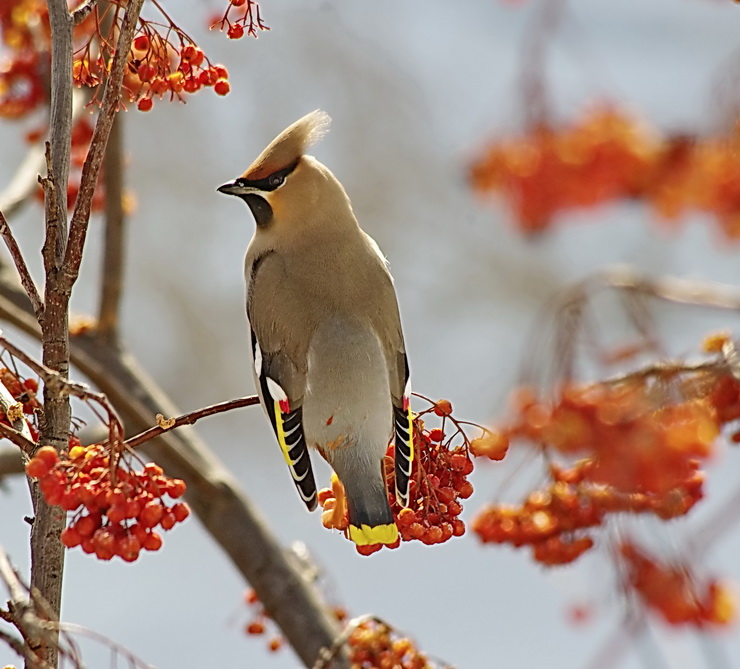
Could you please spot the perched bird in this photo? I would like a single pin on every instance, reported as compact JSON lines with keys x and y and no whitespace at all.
{"x":329,"y":358}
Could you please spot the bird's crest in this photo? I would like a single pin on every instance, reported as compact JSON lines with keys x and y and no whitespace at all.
{"x":287,"y":148}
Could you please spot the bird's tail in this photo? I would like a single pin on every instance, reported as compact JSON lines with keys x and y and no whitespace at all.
{"x":370,"y":516}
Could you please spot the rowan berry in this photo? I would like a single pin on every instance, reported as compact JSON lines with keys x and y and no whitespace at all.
{"x":145,"y":104}
{"x":141,"y":43}
{"x":222,"y":87}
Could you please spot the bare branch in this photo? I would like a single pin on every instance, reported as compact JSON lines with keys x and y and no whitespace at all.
{"x":83,"y":11}
{"x":60,"y":123}
{"x":20,"y":265}
{"x":189,"y":418}
{"x":94,"y":159}
{"x":115,"y":233}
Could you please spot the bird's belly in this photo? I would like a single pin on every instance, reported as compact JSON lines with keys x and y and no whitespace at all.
{"x":348,"y":399}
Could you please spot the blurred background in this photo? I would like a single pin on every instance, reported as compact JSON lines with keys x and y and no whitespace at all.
{"x":414,"y":89}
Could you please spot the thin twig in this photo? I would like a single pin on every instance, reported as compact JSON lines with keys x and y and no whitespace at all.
{"x":188,"y":419}
{"x":20,"y":264}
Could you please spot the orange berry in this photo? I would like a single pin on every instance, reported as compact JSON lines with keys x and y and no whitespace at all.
{"x":275,"y":644}
{"x":152,"y":542}
{"x":222,"y":87}
{"x":256,"y":627}
{"x":47,"y":454}
{"x":436,"y":434}
{"x":145,"y":104}
{"x":181,"y":511}
{"x":443,"y":408}
{"x":176,"y":488}
{"x":168,"y":520}
{"x":36,"y":468}
{"x":151,"y":513}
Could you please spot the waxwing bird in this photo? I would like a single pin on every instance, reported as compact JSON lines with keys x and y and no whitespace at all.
{"x":329,"y":358}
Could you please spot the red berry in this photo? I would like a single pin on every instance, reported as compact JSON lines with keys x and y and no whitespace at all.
{"x":151,"y":514}
{"x":465,"y":489}
{"x":168,"y":520}
{"x":222,"y":87}
{"x":87,"y":525}
{"x":47,"y":454}
{"x":141,"y":43}
{"x":152,"y":542}
{"x":275,"y":644}
{"x":443,"y":408}
{"x":145,"y":104}
{"x":181,"y":511}
{"x":436,"y":434}
{"x":235,"y":31}
{"x":256,"y":627}
{"x":117,"y":513}
{"x":36,"y":468}
{"x":71,"y":537}
{"x":31,"y":385}
{"x":176,"y":488}
{"x":128,"y":547}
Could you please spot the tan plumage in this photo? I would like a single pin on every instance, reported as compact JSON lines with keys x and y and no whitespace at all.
{"x":330,"y":363}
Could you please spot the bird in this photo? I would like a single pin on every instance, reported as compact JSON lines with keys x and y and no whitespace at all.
{"x":330,"y":363}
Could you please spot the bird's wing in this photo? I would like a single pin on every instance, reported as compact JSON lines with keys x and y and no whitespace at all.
{"x":384,"y":312}
{"x":404,"y":429}
{"x":279,"y":369}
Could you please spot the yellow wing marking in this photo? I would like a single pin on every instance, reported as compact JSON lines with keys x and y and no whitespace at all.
{"x":380,"y":534}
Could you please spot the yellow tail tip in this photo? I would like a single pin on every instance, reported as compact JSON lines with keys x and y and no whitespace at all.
{"x":364,"y":535}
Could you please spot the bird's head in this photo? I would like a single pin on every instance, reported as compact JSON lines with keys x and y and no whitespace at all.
{"x":284,"y":184}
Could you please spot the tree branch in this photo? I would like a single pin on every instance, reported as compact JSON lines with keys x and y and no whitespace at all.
{"x":115,"y":236}
{"x":20,"y":265}
{"x":163,"y":425}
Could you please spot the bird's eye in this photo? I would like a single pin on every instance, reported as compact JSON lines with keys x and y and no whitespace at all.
{"x":276,"y":180}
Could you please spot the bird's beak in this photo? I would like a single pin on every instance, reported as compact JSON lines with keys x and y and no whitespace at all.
{"x":231,"y":188}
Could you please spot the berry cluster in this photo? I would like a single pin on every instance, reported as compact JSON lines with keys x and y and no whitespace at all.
{"x":439,"y":482}
{"x":240,"y":17}
{"x":642,"y":441}
{"x":115,"y":507}
{"x":672,"y":590}
{"x":375,"y":645}
{"x":159,"y":67}
{"x":637,"y":437}
{"x":164,"y":60}
{"x":553,"y":520}
{"x":606,"y":155}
